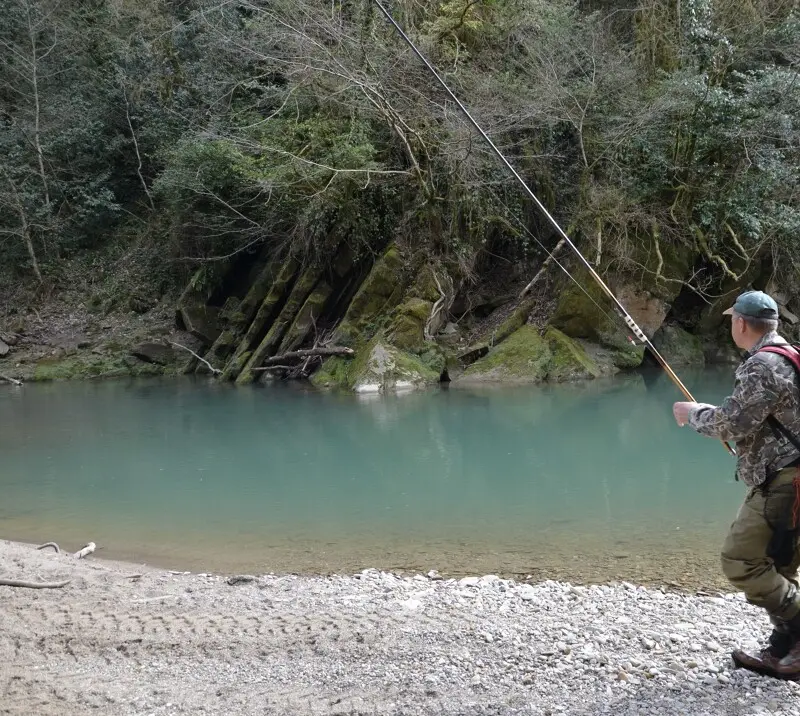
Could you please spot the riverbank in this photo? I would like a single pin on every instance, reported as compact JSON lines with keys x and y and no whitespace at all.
{"x":125,"y":639}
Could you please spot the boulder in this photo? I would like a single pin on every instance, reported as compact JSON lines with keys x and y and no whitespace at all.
{"x":4,"y":348}
{"x":157,"y":353}
{"x":380,"y":292}
{"x":201,"y":321}
{"x":678,"y":346}
{"x":407,"y":331}
{"x":379,"y":367}
{"x":526,"y":356}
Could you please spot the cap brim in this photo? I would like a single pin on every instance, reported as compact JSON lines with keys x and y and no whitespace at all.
{"x":729,"y":312}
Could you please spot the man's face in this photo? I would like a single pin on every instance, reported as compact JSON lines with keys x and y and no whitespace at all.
{"x":739,"y":331}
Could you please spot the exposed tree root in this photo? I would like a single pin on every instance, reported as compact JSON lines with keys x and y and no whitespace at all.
{"x":33,"y":585}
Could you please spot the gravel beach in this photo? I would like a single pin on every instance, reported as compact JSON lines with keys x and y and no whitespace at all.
{"x":125,"y":639}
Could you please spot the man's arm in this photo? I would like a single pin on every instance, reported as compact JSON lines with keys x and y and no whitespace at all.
{"x":753,"y":398}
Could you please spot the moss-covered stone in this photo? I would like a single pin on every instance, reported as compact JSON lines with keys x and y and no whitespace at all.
{"x":568,"y":359}
{"x":262,"y":320}
{"x":528,"y":357}
{"x":579,"y":315}
{"x":679,"y":347}
{"x":379,"y":367}
{"x":379,"y":293}
{"x":522,"y":357}
{"x":583,"y":316}
{"x":306,"y":317}
{"x":229,"y":309}
{"x":425,"y":286}
{"x":269,"y":346}
{"x":676,"y":262}
{"x":334,"y":373}
{"x":408,"y":325}
{"x":84,"y":366}
{"x":258,"y":292}
{"x":223,"y":346}
{"x":517,"y":318}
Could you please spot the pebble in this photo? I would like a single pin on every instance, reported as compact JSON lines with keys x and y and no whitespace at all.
{"x":480,"y":644}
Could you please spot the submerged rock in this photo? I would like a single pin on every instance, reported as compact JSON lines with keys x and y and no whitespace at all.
{"x":529,"y":357}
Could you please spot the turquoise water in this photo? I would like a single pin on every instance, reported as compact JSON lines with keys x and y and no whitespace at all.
{"x":190,"y":474}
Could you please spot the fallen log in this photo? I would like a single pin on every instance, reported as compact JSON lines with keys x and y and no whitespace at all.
{"x":33,"y":585}
{"x":13,"y":381}
{"x":86,"y":550}
{"x":272,"y":362}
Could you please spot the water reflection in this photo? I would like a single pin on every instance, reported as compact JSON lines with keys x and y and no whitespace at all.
{"x":174,"y":468}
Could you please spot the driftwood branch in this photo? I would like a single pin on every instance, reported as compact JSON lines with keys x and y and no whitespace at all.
{"x":278,"y":361}
{"x":86,"y":550}
{"x":33,"y":585}
{"x":13,"y":381}
{"x":215,"y":371}
{"x":543,"y":268}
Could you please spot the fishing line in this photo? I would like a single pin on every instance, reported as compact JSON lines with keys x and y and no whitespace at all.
{"x":629,"y":321}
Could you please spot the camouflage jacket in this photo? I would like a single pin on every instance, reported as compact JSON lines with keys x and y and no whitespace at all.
{"x":765,"y":385}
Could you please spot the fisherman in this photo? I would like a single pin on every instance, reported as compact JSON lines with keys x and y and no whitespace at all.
{"x":760,"y":555}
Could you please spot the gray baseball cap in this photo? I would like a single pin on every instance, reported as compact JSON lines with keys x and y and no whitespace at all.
{"x":755,"y":304}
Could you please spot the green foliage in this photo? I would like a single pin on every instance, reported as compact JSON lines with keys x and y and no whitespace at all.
{"x":303,"y":126}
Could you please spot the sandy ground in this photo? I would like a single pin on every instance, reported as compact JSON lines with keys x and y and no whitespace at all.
{"x":125,"y":639}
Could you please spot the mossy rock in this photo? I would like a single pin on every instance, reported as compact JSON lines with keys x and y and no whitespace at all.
{"x":579,"y":316}
{"x":223,"y":346}
{"x":271,"y":342}
{"x":81,"y":367}
{"x":255,"y":295}
{"x":582,"y":315}
{"x":516,"y":319}
{"x":425,"y":285}
{"x":528,"y":357}
{"x":408,"y":325}
{"x":522,"y":357}
{"x":378,"y":367}
{"x":380,"y":292}
{"x":569,"y":360}
{"x":305,"y":319}
{"x":679,"y":347}
{"x":262,"y":320}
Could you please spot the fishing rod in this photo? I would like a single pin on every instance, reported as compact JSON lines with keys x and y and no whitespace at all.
{"x":617,"y":304}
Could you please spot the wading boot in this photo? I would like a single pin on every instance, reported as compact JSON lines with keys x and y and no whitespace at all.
{"x":789,"y":665}
{"x":768,"y":661}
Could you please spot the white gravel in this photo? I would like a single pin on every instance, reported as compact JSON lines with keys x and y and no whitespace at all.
{"x":372,"y":643}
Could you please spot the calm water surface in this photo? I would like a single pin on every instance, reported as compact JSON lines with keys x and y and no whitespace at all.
{"x":592,"y":480}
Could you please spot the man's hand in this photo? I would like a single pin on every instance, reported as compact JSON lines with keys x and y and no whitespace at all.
{"x":681,"y":412}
